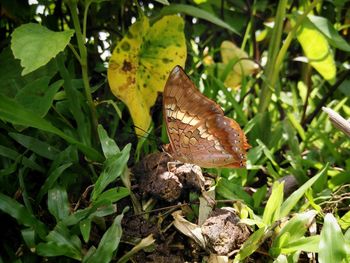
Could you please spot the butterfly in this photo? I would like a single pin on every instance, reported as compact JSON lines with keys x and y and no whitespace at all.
{"x":198,"y":131}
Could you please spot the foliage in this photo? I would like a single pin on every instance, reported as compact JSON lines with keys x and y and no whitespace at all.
{"x":67,"y":143}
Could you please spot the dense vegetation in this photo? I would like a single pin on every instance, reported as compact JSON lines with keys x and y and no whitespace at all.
{"x":67,"y":144}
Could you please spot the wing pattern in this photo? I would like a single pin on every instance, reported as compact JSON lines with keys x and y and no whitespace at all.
{"x":198,"y":131}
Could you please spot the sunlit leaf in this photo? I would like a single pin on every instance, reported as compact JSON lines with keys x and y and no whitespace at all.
{"x":239,"y":64}
{"x":330,"y":32}
{"x":317,"y":50}
{"x":141,"y":62}
{"x":273,"y":206}
{"x":332,"y":246}
{"x":36,"y":45}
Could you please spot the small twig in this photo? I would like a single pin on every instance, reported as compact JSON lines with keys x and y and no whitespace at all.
{"x":338,"y":121}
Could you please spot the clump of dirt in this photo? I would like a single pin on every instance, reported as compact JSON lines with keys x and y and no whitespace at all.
{"x":223,"y":232}
{"x":160,"y":176}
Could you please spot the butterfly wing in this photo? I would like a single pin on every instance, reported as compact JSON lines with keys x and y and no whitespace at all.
{"x":198,"y":131}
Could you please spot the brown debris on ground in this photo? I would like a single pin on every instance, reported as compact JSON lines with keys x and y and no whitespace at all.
{"x":223,"y":232}
{"x":160,"y":176}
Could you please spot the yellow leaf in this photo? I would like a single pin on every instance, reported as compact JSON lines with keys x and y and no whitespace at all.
{"x":242,"y":64}
{"x":317,"y":50}
{"x":141,"y":62}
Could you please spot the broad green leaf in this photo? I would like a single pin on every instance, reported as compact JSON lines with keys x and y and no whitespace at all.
{"x":293,"y":199}
{"x":53,"y":249}
{"x":273,"y":206}
{"x":332,"y":247}
{"x":11,"y":81}
{"x":21,"y":214}
{"x":38,"y":146}
{"x":57,"y":203}
{"x":306,"y":244}
{"x":294,"y":230}
{"x":37,"y":96}
{"x":36,"y":45}
{"x":317,"y":50}
{"x":330,"y":32}
{"x":141,"y":62}
{"x":113,"y":168}
{"x":109,"y":147}
{"x":109,"y":242}
{"x":197,"y":12}
{"x":60,"y":242}
{"x":13,"y":112}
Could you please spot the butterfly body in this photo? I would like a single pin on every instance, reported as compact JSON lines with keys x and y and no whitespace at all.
{"x":198,"y":131}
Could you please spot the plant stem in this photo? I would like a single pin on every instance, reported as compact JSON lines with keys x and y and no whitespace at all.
{"x":275,"y":64}
{"x":83,"y":62}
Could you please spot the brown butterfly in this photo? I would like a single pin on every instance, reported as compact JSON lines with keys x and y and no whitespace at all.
{"x":198,"y":131}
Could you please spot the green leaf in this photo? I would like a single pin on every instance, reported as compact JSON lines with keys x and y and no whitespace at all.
{"x":344,"y":221}
{"x":197,"y":12}
{"x":251,"y":244}
{"x":13,"y":112}
{"x":85,"y":228}
{"x":13,"y":155}
{"x":57,"y":203}
{"x":332,"y":247}
{"x":306,"y":244}
{"x":317,"y":50}
{"x":294,"y":230}
{"x":37,"y":146}
{"x":97,"y":209}
{"x":60,"y":242}
{"x":259,"y":196}
{"x":330,"y":32}
{"x":37,"y":96}
{"x":35,"y":45}
{"x":296,"y":125}
{"x":114,"y":195}
{"x":51,"y":179}
{"x":109,"y":146}
{"x":293,"y":199}
{"x":109,"y":242}
{"x":113,"y":168}
{"x":232,"y":191}
{"x":22,"y":215}
{"x":273,"y":206}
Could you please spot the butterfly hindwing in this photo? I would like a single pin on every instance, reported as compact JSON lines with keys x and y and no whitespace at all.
{"x":198,"y":131}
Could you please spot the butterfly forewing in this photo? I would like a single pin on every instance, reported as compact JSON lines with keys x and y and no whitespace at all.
{"x":198,"y":131}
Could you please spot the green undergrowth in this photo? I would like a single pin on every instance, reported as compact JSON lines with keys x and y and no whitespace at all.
{"x":67,"y":144}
